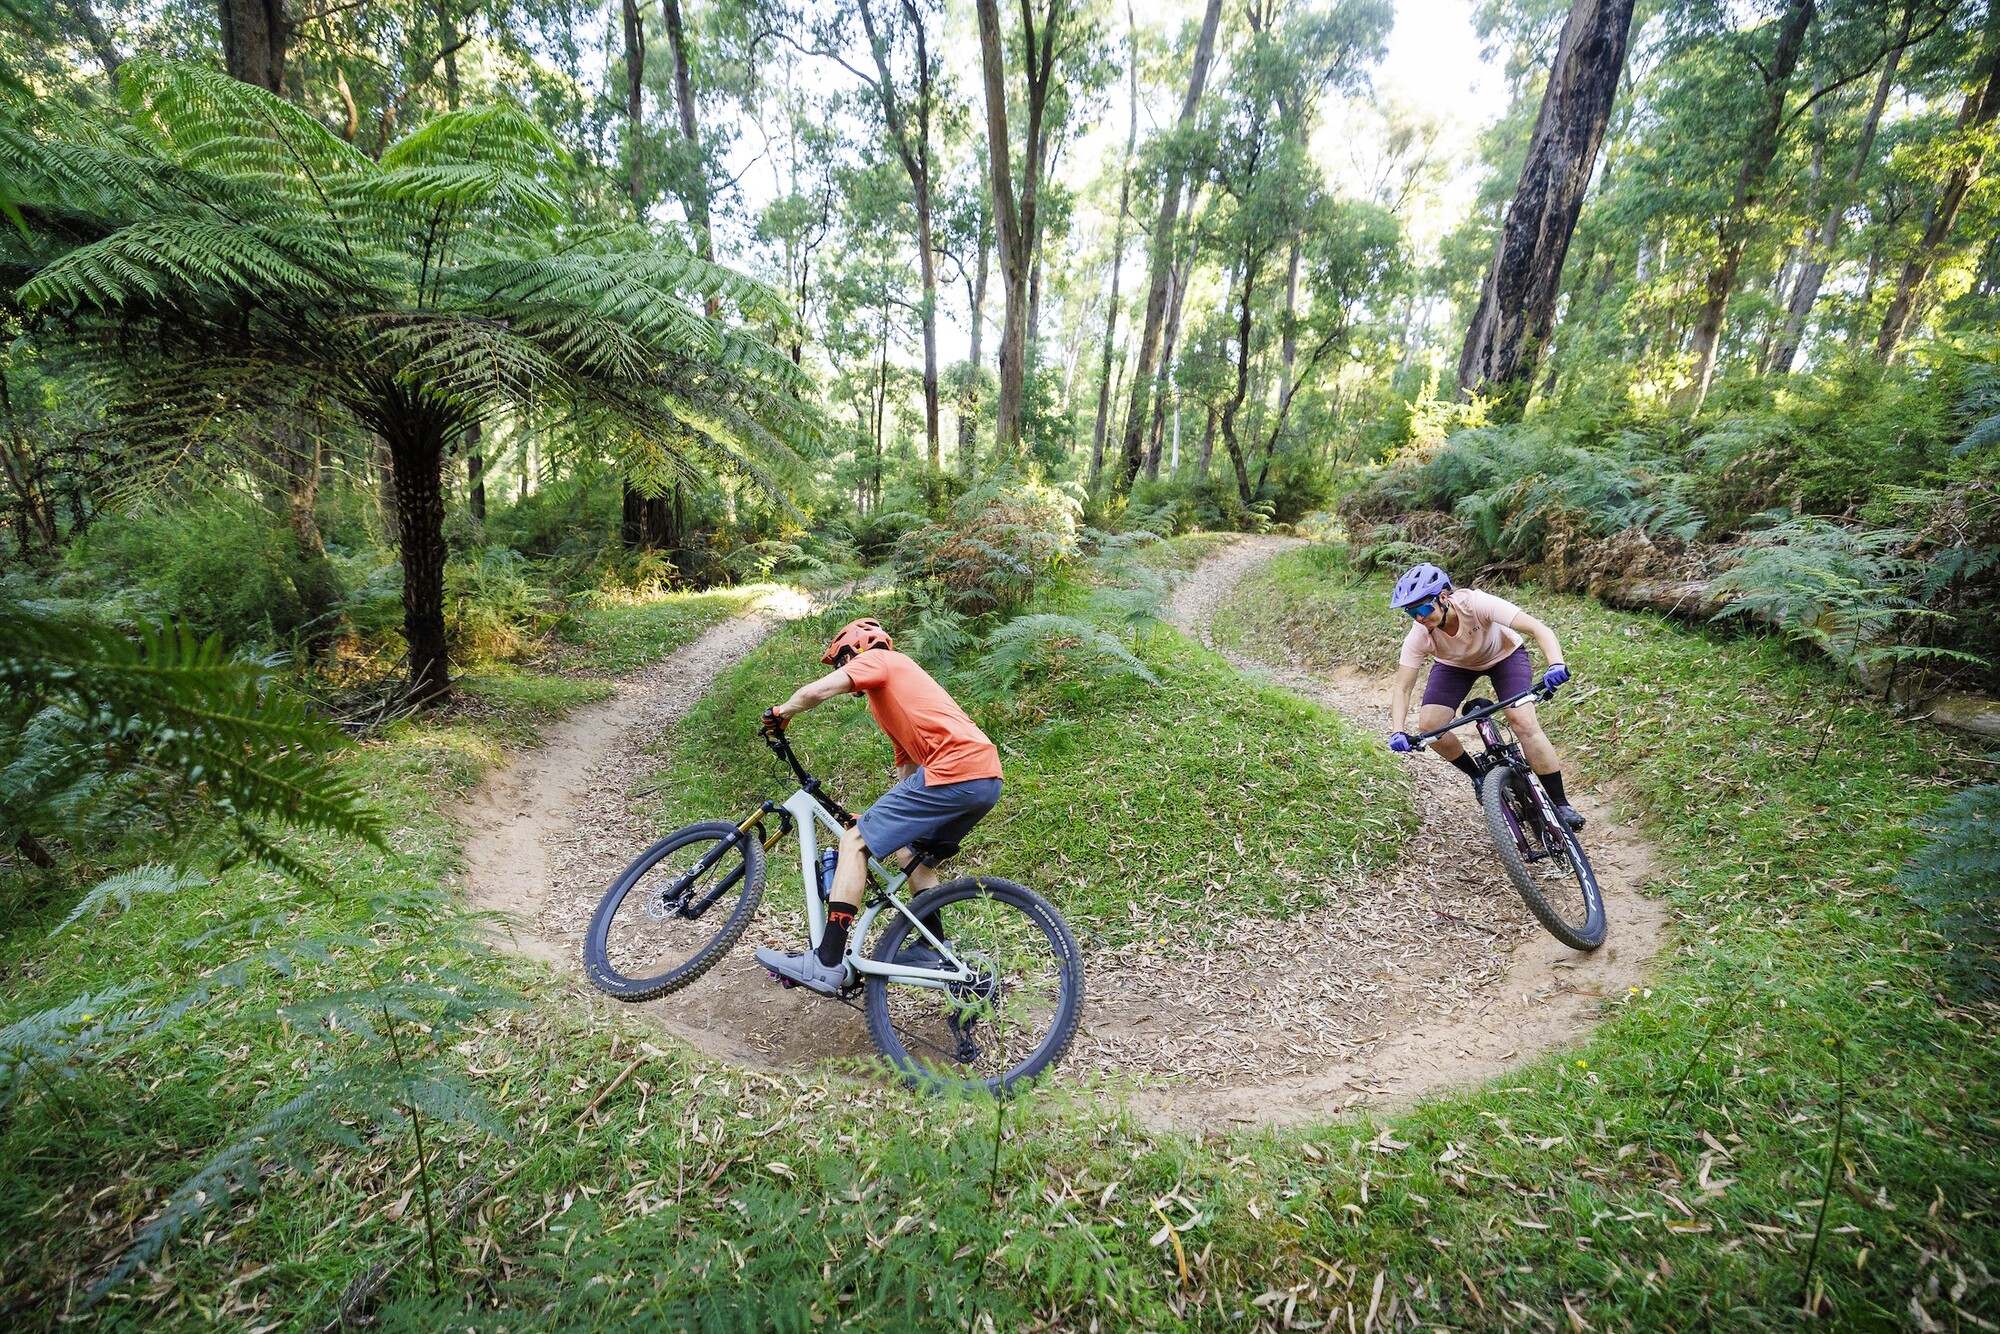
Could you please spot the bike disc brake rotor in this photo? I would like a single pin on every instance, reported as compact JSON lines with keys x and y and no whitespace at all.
{"x":972,"y":1000}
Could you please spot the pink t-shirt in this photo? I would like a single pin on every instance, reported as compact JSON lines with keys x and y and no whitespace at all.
{"x":1483,"y":636}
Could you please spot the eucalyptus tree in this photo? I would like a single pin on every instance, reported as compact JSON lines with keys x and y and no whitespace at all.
{"x":1517,"y":303}
{"x":1047,"y":34}
{"x":1972,"y":136}
{"x":1268,"y":195}
{"x":221,"y":249}
{"x":908,"y":87}
{"x":1173,"y":153}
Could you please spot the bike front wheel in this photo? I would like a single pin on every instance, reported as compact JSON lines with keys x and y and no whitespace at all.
{"x":1007,"y":1025}
{"x":1544,"y":860}
{"x":675,"y":911}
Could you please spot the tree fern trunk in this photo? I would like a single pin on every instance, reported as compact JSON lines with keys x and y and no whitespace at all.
{"x":419,"y":456}
{"x":475,"y":472}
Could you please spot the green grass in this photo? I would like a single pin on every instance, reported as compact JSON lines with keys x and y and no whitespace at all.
{"x":619,"y":637}
{"x":699,"y":1197}
{"x":1201,"y":796}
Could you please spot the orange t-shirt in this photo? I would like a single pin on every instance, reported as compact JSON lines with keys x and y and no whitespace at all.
{"x":923,"y":722}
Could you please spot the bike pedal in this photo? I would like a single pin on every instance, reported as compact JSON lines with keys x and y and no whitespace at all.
{"x":784,"y":982}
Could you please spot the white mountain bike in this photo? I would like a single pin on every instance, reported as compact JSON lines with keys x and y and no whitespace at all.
{"x":976,"y":982}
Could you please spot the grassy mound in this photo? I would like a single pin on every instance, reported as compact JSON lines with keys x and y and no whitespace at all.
{"x":1132,"y":805}
{"x":1670,"y":1174}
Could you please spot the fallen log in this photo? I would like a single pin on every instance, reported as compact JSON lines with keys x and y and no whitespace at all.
{"x":1696,"y":600}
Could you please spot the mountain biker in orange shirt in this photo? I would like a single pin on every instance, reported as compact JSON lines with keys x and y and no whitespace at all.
{"x":948,"y":778}
{"x":1472,"y":634}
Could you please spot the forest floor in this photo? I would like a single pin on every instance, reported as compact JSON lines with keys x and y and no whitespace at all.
{"x":1406,"y":981}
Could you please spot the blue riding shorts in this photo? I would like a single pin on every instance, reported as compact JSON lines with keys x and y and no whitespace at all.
{"x":1450,"y":685}
{"x":932,"y":820}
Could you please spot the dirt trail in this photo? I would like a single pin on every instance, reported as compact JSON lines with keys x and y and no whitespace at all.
{"x":1403,"y":983}
{"x":1468,"y":985}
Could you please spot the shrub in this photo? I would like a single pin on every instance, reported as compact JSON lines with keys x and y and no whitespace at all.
{"x":1006,"y":537}
{"x":226,"y":569}
{"x":496,"y":606}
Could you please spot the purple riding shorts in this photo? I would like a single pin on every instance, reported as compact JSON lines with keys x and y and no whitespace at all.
{"x":1450,"y":685}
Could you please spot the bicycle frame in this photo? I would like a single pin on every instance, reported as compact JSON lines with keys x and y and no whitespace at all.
{"x":812,"y":809}
{"x":1499,"y":752}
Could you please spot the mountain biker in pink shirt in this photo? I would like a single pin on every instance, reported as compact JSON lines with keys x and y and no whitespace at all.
{"x":1471,"y":634}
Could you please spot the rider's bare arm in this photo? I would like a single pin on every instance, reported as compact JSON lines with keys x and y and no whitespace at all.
{"x":1545,"y":638}
{"x":906,"y":768}
{"x":812,"y":695}
{"x":1399,"y":697}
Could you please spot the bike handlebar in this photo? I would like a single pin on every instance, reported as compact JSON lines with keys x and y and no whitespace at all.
{"x":781,"y":746}
{"x":1539,"y":691}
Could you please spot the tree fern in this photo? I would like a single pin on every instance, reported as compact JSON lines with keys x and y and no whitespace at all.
{"x":219,"y":254}
{"x":97,"y":724}
{"x":1045,"y":644}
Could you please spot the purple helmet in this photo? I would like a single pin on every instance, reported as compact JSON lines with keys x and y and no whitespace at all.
{"x":1419,"y":583}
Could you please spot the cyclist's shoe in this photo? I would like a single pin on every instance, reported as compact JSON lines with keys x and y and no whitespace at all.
{"x":804,"y":969}
{"x":1570,"y":816}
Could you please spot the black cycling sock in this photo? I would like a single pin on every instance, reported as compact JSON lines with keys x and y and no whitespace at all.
{"x":833,"y":945}
{"x":1463,"y":763}
{"x":1552,"y":782}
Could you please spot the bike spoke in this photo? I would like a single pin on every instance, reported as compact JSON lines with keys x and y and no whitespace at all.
{"x":980,"y":1030}
{"x":648,"y":935}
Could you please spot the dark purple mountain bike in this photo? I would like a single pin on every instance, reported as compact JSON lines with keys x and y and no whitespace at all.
{"x":1541,"y":855}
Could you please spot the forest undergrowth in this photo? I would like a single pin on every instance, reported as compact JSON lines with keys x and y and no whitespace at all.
{"x":1671,"y":1172}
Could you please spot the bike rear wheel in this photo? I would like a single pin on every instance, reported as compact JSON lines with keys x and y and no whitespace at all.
{"x":642,"y":943}
{"x":1544,"y":860}
{"x":1009,"y":1024}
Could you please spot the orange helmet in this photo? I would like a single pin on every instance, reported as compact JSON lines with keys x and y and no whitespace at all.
{"x":855,"y":637}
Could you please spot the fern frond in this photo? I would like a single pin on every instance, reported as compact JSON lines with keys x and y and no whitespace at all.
{"x":126,"y":886}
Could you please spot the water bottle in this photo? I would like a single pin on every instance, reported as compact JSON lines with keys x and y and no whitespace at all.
{"x":828,"y":859}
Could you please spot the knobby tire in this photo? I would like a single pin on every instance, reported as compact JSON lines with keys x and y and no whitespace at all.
{"x":598,"y":944}
{"x":1503,"y":783}
{"x":897,"y":1041}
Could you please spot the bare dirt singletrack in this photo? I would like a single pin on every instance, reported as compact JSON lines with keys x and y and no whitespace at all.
{"x":1428,"y":975}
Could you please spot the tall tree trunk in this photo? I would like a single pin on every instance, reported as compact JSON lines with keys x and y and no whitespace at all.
{"x":1016,"y":214}
{"x":1737,"y":224}
{"x":635,"y":104}
{"x":968,"y":408}
{"x":1160,"y":256}
{"x":1981,"y":105}
{"x":418,"y":454}
{"x":1242,"y":388}
{"x":450,"y":40}
{"x":1117,"y":245}
{"x":1517,"y":304}
{"x":1207,"y":449}
{"x":1177,"y":277}
{"x":475,"y":472}
{"x":255,"y":37}
{"x":631,"y":518}
{"x":632,"y":526}
{"x":694,"y":188}
{"x":1805,"y":292}
{"x":84,"y":13}
{"x":913,"y":147}
{"x":24,"y":475}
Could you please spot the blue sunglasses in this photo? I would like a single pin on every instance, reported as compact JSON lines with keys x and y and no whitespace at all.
{"x":1421,"y":610}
